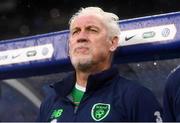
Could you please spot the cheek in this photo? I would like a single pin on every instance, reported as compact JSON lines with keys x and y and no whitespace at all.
{"x":70,"y":45}
{"x":100,"y":49}
{"x":71,"y":41}
{"x":101,"y":44}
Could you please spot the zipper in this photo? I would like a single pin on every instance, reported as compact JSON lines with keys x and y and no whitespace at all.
{"x":84,"y":98}
{"x":68,"y":99}
{"x":75,"y":109}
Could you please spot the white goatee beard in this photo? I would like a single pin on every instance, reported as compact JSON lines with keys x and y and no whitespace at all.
{"x":82,"y":64}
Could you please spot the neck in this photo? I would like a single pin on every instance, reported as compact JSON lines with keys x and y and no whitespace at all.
{"x":82,"y":76}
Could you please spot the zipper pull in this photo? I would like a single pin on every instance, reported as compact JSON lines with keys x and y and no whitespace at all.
{"x":75,"y":109}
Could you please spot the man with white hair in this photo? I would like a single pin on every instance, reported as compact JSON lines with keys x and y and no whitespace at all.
{"x":95,"y":91}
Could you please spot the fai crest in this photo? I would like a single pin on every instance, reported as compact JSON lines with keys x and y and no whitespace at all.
{"x":99,"y":111}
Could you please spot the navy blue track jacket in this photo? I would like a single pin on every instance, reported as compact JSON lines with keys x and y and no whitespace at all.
{"x":108,"y":98}
{"x":172,"y":97}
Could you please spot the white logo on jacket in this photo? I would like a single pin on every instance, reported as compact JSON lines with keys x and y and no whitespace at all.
{"x":158,"y":117}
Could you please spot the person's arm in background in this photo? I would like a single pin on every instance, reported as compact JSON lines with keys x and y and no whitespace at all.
{"x":171,"y":98}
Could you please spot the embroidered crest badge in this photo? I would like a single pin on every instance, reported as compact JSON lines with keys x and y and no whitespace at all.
{"x":99,"y":111}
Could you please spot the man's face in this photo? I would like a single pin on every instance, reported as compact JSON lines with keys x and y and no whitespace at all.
{"x":89,"y":43}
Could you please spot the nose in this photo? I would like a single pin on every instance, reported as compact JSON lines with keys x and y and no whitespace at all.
{"x":82,"y":40}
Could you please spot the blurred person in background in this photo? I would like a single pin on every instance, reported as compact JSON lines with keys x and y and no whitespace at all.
{"x":171,"y":100}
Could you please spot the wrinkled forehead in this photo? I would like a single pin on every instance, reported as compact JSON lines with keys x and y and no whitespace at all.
{"x":87,"y":20}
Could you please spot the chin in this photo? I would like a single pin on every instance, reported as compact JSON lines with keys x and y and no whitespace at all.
{"x":82,"y":62}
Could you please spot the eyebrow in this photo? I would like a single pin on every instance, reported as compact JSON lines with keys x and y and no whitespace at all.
{"x":88,"y":26}
{"x":94,"y":26}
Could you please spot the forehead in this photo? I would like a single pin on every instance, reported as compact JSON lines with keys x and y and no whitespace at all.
{"x":85,"y":20}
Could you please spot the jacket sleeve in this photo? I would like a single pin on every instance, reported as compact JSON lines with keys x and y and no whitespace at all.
{"x":45,"y":108}
{"x":144,"y":107}
{"x":171,"y":97}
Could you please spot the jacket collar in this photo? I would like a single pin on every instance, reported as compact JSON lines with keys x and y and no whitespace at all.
{"x":95,"y":81}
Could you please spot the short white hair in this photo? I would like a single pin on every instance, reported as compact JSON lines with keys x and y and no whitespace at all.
{"x":109,"y":19}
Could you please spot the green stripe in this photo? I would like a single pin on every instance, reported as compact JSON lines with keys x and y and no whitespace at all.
{"x":77,"y":96}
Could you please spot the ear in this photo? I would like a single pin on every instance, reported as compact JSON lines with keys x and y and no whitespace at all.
{"x":114,"y":43}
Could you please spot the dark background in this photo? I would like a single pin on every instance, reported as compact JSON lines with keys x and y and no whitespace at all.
{"x":20,"y":18}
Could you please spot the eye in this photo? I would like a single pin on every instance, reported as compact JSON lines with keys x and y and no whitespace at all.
{"x":93,"y":29}
{"x":74,"y":31}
